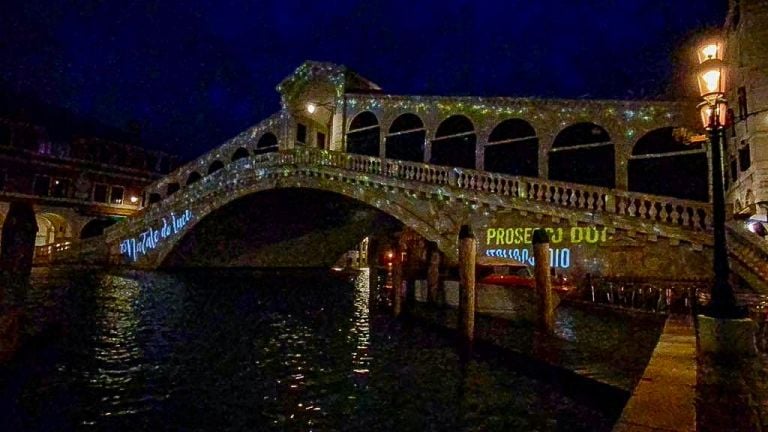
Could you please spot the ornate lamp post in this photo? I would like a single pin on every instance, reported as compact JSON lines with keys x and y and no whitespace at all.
{"x":711,"y":76}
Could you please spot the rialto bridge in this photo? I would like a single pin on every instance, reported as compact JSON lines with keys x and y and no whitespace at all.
{"x":619,"y":191}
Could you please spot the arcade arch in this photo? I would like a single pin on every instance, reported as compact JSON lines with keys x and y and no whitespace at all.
{"x":513,"y":148}
{"x":364,"y":134}
{"x":661,"y":165}
{"x":406,"y":139}
{"x":583,"y":153}
{"x":454,"y":143}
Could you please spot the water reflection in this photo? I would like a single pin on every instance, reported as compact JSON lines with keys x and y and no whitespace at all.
{"x":360,"y":333}
{"x":244,"y":350}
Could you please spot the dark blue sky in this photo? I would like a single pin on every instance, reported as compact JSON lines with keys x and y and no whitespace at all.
{"x":195,"y":73}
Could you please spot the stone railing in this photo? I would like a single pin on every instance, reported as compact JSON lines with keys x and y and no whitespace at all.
{"x":43,"y":254}
{"x":689,"y":214}
{"x":692,"y":215}
{"x":749,"y":250}
{"x":92,"y":250}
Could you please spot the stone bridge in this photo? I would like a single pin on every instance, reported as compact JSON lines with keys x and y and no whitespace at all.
{"x":599,"y":174}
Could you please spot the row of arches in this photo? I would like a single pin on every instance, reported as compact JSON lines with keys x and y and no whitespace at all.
{"x":267,"y":143}
{"x":581,"y":153}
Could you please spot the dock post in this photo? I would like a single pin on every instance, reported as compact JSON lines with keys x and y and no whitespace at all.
{"x":546,"y":310}
{"x":467,"y":256}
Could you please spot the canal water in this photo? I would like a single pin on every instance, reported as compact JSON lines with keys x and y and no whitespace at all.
{"x":249,"y":351}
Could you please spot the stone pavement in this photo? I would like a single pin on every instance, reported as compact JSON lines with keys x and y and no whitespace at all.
{"x":665,"y":397}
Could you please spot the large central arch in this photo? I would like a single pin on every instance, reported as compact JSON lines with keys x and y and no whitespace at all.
{"x":396,"y":203}
{"x":282,"y":227}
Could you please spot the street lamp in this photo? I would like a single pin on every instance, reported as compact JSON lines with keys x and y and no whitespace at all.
{"x":711,"y":76}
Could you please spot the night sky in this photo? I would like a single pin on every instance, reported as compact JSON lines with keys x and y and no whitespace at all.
{"x":194,"y":73}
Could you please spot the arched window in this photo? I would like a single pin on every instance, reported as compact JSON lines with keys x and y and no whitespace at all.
{"x":215,"y":166}
{"x":240,"y":153}
{"x":661,"y":165}
{"x":363,"y":135}
{"x":193,"y":177}
{"x":513,"y":148}
{"x":154,"y":197}
{"x":454,"y":143}
{"x":406,"y":139}
{"x":266,"y":144}
{"x":583,"y":153}
{"x":171,"y":188}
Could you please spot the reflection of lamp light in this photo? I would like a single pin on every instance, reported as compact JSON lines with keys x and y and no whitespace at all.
{"x":134,"y":199}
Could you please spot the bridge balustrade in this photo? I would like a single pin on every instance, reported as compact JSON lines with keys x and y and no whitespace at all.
{"x":687,"y":214}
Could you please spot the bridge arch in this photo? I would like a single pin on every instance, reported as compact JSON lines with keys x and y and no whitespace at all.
{"x":583,"y":153}
{"x":512,"y":148}
{"x":215,"y":166}
{"x":267,"y":143}
{"x":455,"y":143}
{"x":172,"y":188}
{"x":364,"y":134}
{"x":406,"y":138}
{"x":193,"y":177}
{"x":399,"y":206}
{"x":240,"y":153}
{"x":661,"y":165}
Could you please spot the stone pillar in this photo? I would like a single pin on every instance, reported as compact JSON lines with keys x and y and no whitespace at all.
{"x":467,"y":255}
{"x":546,"y":311}
{"x":397,"y":281}
{"x":433,"y":274}
{"x":18,"y":239}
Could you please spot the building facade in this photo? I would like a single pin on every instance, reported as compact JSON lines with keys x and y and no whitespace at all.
{"x":76,"y":185}
{"x":746,"y":38}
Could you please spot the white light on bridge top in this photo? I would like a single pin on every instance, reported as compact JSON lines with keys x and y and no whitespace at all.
{"x":311,"y":108}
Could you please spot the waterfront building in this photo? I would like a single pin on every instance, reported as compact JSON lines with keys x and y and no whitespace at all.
{"x":746,"y":155}
{"x":76,"y":183}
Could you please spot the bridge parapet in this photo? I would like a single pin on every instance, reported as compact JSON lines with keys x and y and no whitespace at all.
{"x":442,"y":182}
{"x":687,"y":214}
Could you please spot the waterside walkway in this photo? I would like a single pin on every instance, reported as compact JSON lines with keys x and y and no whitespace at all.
{"x":664,"y":399}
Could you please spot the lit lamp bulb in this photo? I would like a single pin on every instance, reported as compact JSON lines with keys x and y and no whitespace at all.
{"x":134,"y":199}
{"x":709,"y":51}
{"x":711,"y":80}
{"x":311,"y":108}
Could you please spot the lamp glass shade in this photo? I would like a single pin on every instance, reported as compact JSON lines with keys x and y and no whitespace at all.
{"x":714,"y":115}
{"x":712,"y":49}
{"x":711,"y":77}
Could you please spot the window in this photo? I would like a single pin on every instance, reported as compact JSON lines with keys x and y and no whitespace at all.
{"x":44,"y":147}
{"x":60,"y":188}
{"x":3,"y":176}
{"x":117,"y":195}
{"x":42,"y":185}
{"x":730,"y":120}
{"x":742,"y":102}
{"x":100,"y":193}
{"x":745,"y":160}
{"x":734,"y":170}
{"x":320,"y":140}
{"x":301,"y":133}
